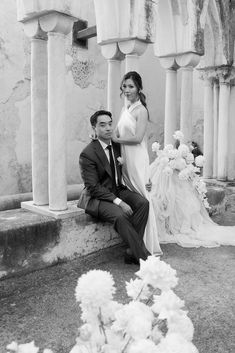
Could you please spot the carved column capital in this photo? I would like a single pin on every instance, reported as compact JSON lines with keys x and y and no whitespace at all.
{"x":57,"y":22}
{"x":169,"y":63}
{"x":132,"y":47}
{"x":111,"y":51}
{"x":225,"y":74}
{"x":188,"y":60}
{"x":33,"y":29}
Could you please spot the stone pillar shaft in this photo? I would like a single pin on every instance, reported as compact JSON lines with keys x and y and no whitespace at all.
{"x":113,"y":96}
{"x":208,"y":129}
{"x":170,"y":123}
{"x":231,"y":136}
{"x":132,"y":62}
{"x":186,"y":103}
{"x":224,"y":98}
{"x":215,"y":123}
{"x":39,"y":120}
{"x":57,"y":122}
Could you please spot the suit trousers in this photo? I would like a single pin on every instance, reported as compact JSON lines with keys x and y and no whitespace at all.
{"x":131,"y":229}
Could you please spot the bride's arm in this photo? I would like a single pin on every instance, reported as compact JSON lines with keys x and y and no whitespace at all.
{"x":141,"y":126}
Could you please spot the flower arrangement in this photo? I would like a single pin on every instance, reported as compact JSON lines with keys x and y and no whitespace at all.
{"x":153,"y":321}
{"x":182,"y":161}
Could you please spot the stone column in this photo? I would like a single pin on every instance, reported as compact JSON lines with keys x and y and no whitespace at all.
{"x":57,"y":26}
{"x":224,"y":98}
{"x":186,"y":103}
{"x":208,"y":128}
{"x":231,"y":134}
{"x":132,"y":49}
{"x":39,"y":112}
{"x":187,"y":62}
{"x":170,"y":122}
{"x":215,"y":123}
{"x":112,"y":53}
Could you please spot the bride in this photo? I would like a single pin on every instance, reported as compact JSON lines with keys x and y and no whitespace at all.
{"x":177,"y":198}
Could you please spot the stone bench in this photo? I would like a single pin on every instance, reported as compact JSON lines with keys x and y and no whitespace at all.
{"x":30,"y":241}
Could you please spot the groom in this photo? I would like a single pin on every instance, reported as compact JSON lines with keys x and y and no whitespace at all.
{"x":104,"y":196}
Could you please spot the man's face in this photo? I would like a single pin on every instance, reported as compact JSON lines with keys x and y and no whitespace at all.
{"x":104,"y":128}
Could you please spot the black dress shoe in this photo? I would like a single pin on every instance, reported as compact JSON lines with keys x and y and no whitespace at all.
{"x":130,"y":259}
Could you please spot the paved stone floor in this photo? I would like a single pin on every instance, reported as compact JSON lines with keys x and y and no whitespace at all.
{"x":41,"y":305}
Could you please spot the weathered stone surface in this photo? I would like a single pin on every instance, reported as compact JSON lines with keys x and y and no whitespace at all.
{"x":29,"y":241}
{"x":125,"y":19}
{"x":27,"y":9}
{"x":178,"y":28}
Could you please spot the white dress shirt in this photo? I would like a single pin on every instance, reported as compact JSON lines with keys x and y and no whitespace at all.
{"x":104,"y":145}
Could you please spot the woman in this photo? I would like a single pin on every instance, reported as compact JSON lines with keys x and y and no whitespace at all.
{"x":131,"y":133}
{"x":177,"y":213}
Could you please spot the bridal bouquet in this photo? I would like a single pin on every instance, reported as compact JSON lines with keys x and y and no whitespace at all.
{"x":152,"y":321}
{"x":183,"y":162}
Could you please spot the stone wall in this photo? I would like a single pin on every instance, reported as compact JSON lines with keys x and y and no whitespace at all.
{"x":86,"y":84}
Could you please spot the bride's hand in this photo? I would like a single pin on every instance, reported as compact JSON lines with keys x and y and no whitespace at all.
{"x":93,"y":136}
{"x":148,"y":186}
{"x":115,"y":136}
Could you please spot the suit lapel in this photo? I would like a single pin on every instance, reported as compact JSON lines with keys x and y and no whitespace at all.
{"x":116,"y":151}
{"x":102,"y":156}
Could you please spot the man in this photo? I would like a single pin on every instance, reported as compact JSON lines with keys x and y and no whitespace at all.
{"x":104,"y":196}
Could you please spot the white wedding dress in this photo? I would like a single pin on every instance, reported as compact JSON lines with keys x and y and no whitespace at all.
{"x":177,"y":214}
{"x":136,"y":173}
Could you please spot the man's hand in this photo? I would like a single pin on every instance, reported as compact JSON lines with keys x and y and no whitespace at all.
{"x":148,"y":186}
{"x":126,"y":208}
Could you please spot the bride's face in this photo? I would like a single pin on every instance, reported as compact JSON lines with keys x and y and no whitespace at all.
{"x":130,"y":90}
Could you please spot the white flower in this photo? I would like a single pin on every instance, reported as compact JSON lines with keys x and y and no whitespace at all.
{"x":201,"y":187}
{"x":120,"y":160}
{"x":183,"y":150}
{"x":206,"y":203}
{"x":155,"y":146}
{"x":168,"y":171}
{"x":46,"y":350}
{"x":137,"y":289}
{"x":135,"y":319}
{"x":85,"y":332}
{"x":184,"y":174}
{"x":23,"y":348}
{"x":164,"y":160}
{"x":94,"y":290}
{"x":189,"y":158}
{"x":13,"y":346}
{"x":199,"y":161}
{"x":168,"y":147}
{"x":109,"y":348}
{"x":141,"y":346}
{"x":178,"y":135}
{"x":192,"y":168}
{"x":175,"y":343}
{"x":181,"y":323}
{"x":167,"y":304}
{"x":109,"y":310}
{"x":173,"y":154}
{"x":180,"y":163}
{"x":157,"y":273}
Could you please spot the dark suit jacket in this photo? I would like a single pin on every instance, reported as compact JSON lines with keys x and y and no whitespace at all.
{"x":96,"y":174}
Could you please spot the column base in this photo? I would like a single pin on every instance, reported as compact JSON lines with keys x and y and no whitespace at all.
{"x":71,"y":211}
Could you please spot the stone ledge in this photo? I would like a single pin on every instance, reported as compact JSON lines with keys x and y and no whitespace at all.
{"x":72,"y":210}
{"x":31,"y":241}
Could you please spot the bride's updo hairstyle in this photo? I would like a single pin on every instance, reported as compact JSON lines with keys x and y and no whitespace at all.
{"x":136,"y":78}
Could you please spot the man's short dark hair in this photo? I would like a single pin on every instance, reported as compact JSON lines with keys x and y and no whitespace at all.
{"x":94,"y":117}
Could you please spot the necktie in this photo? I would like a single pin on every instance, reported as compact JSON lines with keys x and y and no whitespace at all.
{"x":112,"y":166}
